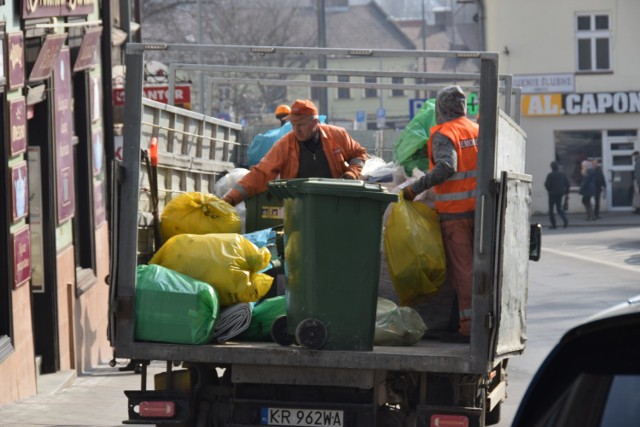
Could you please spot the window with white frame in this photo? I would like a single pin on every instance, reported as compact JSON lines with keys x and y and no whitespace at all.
{"x":593,"y":41}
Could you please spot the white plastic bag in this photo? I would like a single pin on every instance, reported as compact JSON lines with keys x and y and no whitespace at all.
{"x":396,"y":326}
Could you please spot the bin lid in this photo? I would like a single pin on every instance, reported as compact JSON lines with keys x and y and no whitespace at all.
{"x":290,"y":188}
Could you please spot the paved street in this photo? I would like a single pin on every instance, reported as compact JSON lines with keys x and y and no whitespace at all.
{"x":584,"y":268}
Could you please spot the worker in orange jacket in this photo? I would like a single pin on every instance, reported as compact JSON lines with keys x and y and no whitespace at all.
{"x":311,"y":149}
{"x":282,"y":113}
{"x":453,"y":156}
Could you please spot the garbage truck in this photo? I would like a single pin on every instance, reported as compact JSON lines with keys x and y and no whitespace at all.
{"x":300,"y":383}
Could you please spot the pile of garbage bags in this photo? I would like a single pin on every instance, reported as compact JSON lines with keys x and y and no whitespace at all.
{"x":200,"y":284}
{"x":207,"y":282}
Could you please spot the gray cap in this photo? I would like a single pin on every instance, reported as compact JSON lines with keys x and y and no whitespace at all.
{"x":451,"y":103}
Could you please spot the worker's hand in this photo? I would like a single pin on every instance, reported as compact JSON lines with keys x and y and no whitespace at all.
{"x":408,"y":193}
{"x":228,"y":200}
{"x":349,"y":175}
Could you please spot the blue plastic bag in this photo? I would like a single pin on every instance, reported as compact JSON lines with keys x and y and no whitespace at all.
{"x":263,"y":142}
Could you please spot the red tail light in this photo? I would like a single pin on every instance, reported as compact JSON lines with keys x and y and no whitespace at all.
{"x":157,"y":409}
{"x":441,"y":420}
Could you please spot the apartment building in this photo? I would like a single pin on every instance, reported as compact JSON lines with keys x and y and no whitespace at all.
{"x":579,"y":70}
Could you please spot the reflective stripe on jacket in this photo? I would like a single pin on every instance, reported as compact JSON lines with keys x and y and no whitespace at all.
{"x":342,"y":152}
{"x":457,"y":193}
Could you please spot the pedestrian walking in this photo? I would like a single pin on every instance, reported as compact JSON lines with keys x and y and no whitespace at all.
{"x":588,"y":188}
{"x":601,"y":187}
{"x":557,"y":185}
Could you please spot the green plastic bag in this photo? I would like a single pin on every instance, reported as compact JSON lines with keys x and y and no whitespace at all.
{"x":172,"y":307}
{"x":414,"y":251}
{"x":262,"y":318}
{"x":409,"y":149}
{"x":397,"y":325}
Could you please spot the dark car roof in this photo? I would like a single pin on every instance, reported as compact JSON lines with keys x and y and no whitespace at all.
{"x":607,"y":343}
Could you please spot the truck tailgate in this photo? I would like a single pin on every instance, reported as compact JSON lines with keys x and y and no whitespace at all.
{"x":425,"y":355}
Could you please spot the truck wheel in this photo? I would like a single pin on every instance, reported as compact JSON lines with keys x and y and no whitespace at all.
{"x":279,"y":332}
{"x":311,"y":333}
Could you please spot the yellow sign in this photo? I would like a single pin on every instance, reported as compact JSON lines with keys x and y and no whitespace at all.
{"x":544,"y":104}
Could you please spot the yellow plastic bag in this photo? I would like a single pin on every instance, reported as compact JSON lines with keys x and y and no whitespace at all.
{"x":414,"y":251}
{"x":198,"y":213}
{"x":227,"y":261}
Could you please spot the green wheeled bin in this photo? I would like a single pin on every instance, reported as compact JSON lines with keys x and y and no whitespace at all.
{"x":332,"y":232}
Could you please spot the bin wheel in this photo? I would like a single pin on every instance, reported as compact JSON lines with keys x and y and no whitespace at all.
{"x":311,"y":333}
{"x":279,"y":332}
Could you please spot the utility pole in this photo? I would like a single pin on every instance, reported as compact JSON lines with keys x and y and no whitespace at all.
{"x":424,"y":43}
{"x":323,"y":108}
{"x":200,"y":57}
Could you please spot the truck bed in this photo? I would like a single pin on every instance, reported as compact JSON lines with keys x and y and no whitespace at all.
{"x":426,"y":355}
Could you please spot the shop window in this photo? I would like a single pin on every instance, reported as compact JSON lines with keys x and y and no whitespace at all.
{"x":370,"y":92}
{"x":593,"y":42}
{"x":572,"y":147}
{"x":86,"y":174}
{"x":344,"y":92}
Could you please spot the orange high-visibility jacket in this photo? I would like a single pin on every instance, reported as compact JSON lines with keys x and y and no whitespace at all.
{"x":342,"y":152}
{"x":458,"y":193}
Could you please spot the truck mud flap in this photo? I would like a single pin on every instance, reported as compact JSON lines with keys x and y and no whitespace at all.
{"x":432,"y":416}
{"x":163,"y":407}
{"x":254,"y":413}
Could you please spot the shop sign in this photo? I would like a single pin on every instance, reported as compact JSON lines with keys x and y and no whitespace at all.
{"x":182,"y":94}
{"x":19,"y":191}
{"x":65,"y":184}
{"x":21,"y":242}
{"x":15,"y":52}
{"x":17,"y":126}
{"x":544,"y":83}
{"x":573,"y":104}
{"x":86,"y":54}
{"x":48,"y":8}
{"x":47,"y":57}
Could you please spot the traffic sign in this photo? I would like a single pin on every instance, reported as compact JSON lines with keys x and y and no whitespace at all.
{"x":381,"y":115}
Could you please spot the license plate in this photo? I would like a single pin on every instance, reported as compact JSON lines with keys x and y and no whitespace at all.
{"x":301,"y":417}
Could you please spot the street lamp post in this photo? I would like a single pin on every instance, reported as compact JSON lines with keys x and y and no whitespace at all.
{"x":322,"y":60}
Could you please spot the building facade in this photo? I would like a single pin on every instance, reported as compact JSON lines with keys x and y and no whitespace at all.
{"x":577,"y":65}
{"x":54,"y":230}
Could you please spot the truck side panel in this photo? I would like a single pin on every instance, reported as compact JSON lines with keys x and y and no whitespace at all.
{"x":513,"y":228}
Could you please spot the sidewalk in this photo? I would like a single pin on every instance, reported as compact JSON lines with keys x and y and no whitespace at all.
{"x":96,"y":398}
{"x":578,"y":219}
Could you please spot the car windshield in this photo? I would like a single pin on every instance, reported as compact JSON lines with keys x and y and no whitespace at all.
{"x":623,"y":402}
